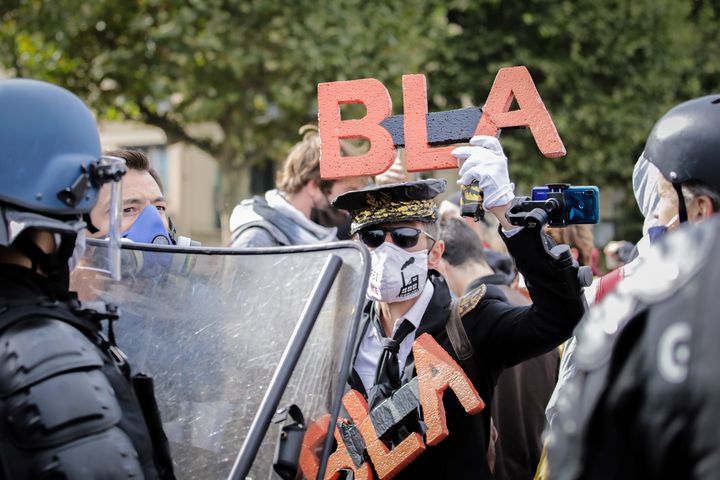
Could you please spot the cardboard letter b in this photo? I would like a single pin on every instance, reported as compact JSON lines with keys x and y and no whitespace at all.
{"x":374,"y":96}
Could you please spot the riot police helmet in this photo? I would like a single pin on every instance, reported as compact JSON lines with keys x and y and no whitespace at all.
{"x":51,"y":167}
{"x":685,"y":142}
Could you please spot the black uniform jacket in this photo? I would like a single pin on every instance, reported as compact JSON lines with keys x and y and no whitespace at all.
{"x":19,"y":284}
{"x":502,"y":336}
{"x":521,"y":395}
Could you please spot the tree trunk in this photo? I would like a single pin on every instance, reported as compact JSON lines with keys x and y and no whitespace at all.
{"x":234,"y":187}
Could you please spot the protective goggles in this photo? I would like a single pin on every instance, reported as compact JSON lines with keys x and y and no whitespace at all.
{"x":403,"y":237}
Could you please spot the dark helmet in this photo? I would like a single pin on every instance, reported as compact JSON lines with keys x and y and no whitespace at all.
{"x":685,"y":143}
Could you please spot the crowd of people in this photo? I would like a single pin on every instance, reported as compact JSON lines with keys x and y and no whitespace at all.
{"x":614,"y":380}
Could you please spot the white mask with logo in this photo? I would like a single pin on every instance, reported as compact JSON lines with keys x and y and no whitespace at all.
{"x":396,"y":274}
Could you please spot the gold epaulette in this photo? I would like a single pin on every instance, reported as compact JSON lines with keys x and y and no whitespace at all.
{"x":471,"y":299}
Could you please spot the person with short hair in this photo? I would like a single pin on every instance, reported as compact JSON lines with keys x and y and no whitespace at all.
{"x":299,"y":211}
{"x":522,"y":391}
{"x":144,"y":207}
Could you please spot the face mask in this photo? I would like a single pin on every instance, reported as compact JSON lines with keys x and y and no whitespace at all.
{"x":332,"y":217}
{"x":148,"y":228}
{"x":657,"y":231}
{"x":396,"y":274}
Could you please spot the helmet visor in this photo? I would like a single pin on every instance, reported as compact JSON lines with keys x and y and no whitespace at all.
{"x":115,"y":164}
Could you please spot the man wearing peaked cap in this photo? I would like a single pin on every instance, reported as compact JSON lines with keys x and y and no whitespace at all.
{"x":391,"y":203}
{"x":407,"y":297}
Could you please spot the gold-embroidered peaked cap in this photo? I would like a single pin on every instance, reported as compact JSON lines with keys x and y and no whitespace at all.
{"x":398,"y":202}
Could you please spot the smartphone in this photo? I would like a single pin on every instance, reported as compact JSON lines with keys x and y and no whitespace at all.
{"x":582,"y":203}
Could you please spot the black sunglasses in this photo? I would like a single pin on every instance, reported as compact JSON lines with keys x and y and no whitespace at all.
{"x":403,"y":237}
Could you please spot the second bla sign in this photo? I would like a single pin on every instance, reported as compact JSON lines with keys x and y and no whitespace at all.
{"x":417,"y":130}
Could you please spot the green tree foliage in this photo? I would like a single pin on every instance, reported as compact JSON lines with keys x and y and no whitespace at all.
{"x":248,"y":68}
{"x":605,"y":70}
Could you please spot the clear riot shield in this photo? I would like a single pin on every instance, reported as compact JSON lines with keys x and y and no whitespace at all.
{"x":211,"y":327}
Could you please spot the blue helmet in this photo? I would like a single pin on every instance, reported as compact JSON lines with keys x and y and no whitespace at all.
{"x":51,"y":168}
{"x":50,"y":161}
{"x":49,"y":143}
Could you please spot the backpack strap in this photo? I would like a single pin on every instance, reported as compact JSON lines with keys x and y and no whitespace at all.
{"x":460,"y":342}
{"x":262,"y":224}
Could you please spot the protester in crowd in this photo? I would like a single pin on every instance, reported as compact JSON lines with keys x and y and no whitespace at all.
{"x":617,"y":253}
{"x":68,"y":403}
{"x":580,"y":239}
{"x":522,"y":391}
{"x":642,"y":403}
{"x":299,"y":211}
{"x":407,"y":297}
{"x":144,"y":207}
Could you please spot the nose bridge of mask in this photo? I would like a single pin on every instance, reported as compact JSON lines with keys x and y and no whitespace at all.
{"x":148,"y":228}
{"x":390,"y":256}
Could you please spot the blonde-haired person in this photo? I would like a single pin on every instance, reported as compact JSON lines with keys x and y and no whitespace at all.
{"x":299,"y":211}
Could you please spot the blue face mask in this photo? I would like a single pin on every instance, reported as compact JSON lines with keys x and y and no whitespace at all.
{"x":149,"y":228}
{"x":655,"y":233}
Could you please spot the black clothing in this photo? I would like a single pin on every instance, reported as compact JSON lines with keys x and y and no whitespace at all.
{"x":502,"y":265}
{"x":502,"y":336}
{"x":67,"y":405}
{"x":387,"y":376}
{"x":518,"y":405}
{"x":643,"y":402}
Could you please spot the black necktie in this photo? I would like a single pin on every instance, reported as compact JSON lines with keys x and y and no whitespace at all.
{"x":387,"y":375}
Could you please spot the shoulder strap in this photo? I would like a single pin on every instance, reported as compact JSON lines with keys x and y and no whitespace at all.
{"x":86,"y":319}
{"x":456,"y":332}
{"x":461,"y":343}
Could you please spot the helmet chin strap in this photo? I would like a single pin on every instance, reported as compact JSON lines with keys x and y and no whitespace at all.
{"x":54,"y":266}
{"x":682,"y":209}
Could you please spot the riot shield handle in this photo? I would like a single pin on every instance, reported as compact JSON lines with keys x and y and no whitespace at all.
{"x":287,"y":452}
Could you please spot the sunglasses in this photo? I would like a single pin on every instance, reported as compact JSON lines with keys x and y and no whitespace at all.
{"x":403,"y":237}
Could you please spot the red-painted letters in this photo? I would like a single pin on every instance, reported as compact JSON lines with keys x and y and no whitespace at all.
{"x":419,"y":155}
{"x":515,"y":82}
{"x":376,"y":99}
{"x":510,"y":83}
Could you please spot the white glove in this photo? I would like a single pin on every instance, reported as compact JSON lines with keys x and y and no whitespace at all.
{"x":486,"y":162}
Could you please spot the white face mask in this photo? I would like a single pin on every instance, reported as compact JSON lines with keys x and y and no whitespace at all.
{"x":396,"y":274}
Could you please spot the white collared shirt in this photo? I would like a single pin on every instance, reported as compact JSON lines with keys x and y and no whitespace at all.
{"x":371,"y":346}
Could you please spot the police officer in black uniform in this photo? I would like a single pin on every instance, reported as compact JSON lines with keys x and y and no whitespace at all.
{"x":409,"y":298}
{"x":643,"y":403}
{"x":68,"y":408}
